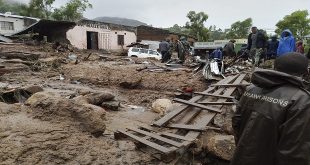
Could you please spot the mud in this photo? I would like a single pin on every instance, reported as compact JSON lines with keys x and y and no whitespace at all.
{"x":57,"y":129}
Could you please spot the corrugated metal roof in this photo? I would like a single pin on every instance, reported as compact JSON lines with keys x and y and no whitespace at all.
{"x":17,"y":16}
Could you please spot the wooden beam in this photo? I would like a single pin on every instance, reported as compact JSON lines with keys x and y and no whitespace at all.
{"x":172,"y":135}
{"x":230,"y":85}
{"x":146,"y":142}
{"x":203,"y":121}
{"x":217,"y":103}
{"x":214,"y":95}
{"x":155,"y":136}
{"x":165,"y":120}
{"x":192,"y":127}
{"x":197,"y":105}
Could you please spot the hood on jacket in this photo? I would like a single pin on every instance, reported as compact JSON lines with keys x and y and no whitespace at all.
{"x":286,"y":30}
{"x":264,"y":78}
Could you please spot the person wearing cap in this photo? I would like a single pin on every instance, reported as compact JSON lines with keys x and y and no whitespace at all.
{"x":272,"y":119}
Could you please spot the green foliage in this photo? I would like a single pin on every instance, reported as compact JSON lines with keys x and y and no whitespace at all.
{"x":239,"y":29}
{"x":298,"y":22}
{"x":216,"y":33}
{"x":12,"y":6}
{"x":39,"y":8}
{"x":196,"y":25}
{"x":72,"y":11}
{"x":43,"y":9}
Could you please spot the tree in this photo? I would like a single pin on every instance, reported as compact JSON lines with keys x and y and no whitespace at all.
{"x":40,"y":8}
{"x":239,"y":29}
{"x":72,"y":11}
{"x":216,"y":33}
{"x":298,"y":22}
{"x":12,"y":6}
{"x":196,"y":25}
{"x":175,"y":28}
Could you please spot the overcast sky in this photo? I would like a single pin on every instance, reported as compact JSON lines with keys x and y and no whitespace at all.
{"x":222,"y":13}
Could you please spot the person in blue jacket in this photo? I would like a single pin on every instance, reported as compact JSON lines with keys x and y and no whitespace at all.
{"x":217,"y":54}
{"x":287,"y":43}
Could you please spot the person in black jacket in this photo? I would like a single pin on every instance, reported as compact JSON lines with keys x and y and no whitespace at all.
{"x":257,"y":44}
{"x":272,"y":120}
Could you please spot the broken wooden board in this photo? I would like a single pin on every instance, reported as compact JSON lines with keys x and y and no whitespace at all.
{"x":197,"y":105}
{"x":186,"y":122}
{"x":165,"y":120}
{"x":214,"y":95}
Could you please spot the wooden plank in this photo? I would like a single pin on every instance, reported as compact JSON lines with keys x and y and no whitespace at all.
{"x":164,"y":120}
{"x":148,"y":143}
{"x":216,"y":103}
{"x":203,"y":121}
{"x":230,"y":85}
{"x":214,"y":95}
{"x":172,"y":135}
{"x":198,"y":105}
{"x":155,"y":136}
{"x":192,"y":114}
{"x":191,"y":127}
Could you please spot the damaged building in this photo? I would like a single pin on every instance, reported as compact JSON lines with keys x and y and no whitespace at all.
{"x":89,"y":34}
{"x":148,"y":33}
{"x":10,"y":24}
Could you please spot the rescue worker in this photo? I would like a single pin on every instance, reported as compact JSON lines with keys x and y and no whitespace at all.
{"x":287,"y":43}
{"x":164,"y":48}
{"x":182,"y":45}
{"x":257,"y":43}
{"x":229,"y":49}
{"x":272,"y":120}
{"x":272,"y":48}
{"x":217,"y":54}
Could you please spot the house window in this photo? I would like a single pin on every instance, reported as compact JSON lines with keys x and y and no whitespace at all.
{"x":4,"y":25}
{"x":120,"y":39}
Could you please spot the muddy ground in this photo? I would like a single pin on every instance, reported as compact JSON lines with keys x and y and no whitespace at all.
{"x":26,"y":138}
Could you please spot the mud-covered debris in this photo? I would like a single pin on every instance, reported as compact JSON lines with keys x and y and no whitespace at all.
{"x":99,"y":98}
{"x":52,"y":107}
{"x":32,"y":89}
{"x":111,"y":105}
{"x":222,"y":146}
{"x":131,"y":84}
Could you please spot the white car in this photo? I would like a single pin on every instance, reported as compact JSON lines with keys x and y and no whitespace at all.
{"x":143,"y":53}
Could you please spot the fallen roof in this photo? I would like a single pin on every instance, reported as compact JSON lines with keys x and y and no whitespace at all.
{"x":44,"y":27}
{"x":17,"y":16}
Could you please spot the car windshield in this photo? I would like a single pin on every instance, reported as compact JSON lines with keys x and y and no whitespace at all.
{"x":143,"y":51}
{"x":135,"y":50}
{"x":153,"y":52}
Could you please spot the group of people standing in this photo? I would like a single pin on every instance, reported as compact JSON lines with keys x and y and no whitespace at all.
{"x":166,"y":48}
{"x":272,"y":119}
{"x":259,"y":48}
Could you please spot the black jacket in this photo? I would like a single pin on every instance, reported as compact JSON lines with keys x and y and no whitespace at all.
{"x":272,"y":121}
{"x":261,"y":41}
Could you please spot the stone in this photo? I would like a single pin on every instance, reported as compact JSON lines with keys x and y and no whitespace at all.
{"x":33,"y":89}
{"x":51,"y":107}
{"x":111,"y":105}
{"x":222,"y":146}
{"x":99,"y":98}
{"x":131,"y":84}
{"x":161,"y":106}
{"x":81,"y":100}
{"x":224,"y":120}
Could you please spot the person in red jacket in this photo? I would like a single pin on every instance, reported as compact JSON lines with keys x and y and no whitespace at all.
{"x":300,"y":47}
